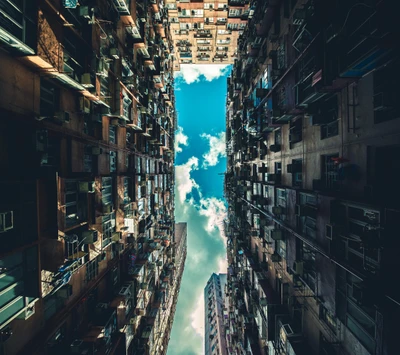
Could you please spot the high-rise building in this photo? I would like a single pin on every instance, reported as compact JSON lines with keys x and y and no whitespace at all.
{"x":206,"y":32}
{"x":214,"y":324}
{"x":178,"y":264}
{"x":86,"y":177}
{"x":313,"y":146}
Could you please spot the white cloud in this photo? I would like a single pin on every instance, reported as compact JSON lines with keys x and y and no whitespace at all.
{"x":180,"y":139}
{"x":197,"y":316}
{"x":217,"y":149}
{"x":215,"y":211}
{"x":222,"y":266}
{"x":191,"y":73}
{"x":185,"y":183}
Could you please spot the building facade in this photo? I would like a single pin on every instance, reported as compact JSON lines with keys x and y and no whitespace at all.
{"x":313,"y":139}
{"x":206,"y":32}
{"x":178,"y":266}
{"x":86,"y":177}
{"x":214,"y":324}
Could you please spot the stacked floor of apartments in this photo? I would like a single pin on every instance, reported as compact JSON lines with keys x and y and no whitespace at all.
{"x":313,"y":146}
{"x":87,"y":262}
{"x":206,"y":32}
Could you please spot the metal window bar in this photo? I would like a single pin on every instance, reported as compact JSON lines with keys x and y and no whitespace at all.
{"x":331,"y":172}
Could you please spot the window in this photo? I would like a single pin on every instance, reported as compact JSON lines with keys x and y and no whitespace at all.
{"x":235,"y":12}
{"x":329,"y":171}
{"x":18,"y":18}
{"x":278,"y":137}
{"x":281,"y":197}
{"x":112,"y":134}
{"x":19,"y":283}
{"x":330,"y":129}
{"x":286,"y":8}
{"x":295,"y":131}
{"x":127,"y":189}
{"x":296,"y":169}
{"x":328,"y":318}
{"x":75,"y":204}
{"x":197,"y":13}
{"x":329,"y":111}
{"x":126,"y":105}
{"x":92,"y":269}
{"x":49,"y":98}
{"x":307,"y":254}
{"x":281,"y":248}
{"x":278,"y":168}
{"x":108,"y":223}
{"x":107,"y":191}
{"x":386,"y":93}
{"x":113,"y":161}
{"x":307,"y":222}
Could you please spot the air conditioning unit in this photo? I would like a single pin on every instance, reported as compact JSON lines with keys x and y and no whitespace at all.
{"x":294,"y":137}
{"x":298,"y":267}
{"x":332,"y":231}
{"x":140,"y":312}
{"x":6,"y":221}
{"x":86,"y":187}
{"x":77,"y":347}
{"x":294,"y":168}
{"x":278,"y":210}
{"x":84,"y":104}
{"x":116,"y":236}
{"x":90,"y":236}
{"x":96,"y":117}
{"x":114,"y":53}
{"x":102,"y":305}
{"x":305,"y":210}
{"x":102,"y":68}
{"x":277,"y":234}
{"x":275,"y":148}
{"x":263,"y":302}
{"x":125,"y":290}
{"x":84,"y":11}
{"x":114,"y":122}
{"x":41,"y":141}
{"x":316,"y":120}
{"x":28,"y":312}
{"x":97,"y":150}
{"x":276,"y":258}
{"x":107,"y":209}
{"x":86,"y":81}
{"x":62,"y":116}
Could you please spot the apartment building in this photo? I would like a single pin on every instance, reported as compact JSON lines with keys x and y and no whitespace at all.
{"x":313,"y":143}
{"x":206,"y":32}
{"x":178,"y":266}
{"x":86,"y":177}
{"x":214,"y":317}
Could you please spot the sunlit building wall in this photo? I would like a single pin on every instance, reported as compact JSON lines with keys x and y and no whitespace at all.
{"x":206,"y":32}
{"x":214,"y":326}
{"x":86,"y":177}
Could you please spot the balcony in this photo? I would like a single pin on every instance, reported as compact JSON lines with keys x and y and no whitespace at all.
{"x":202,"y":34}
{"x":122,"y":6}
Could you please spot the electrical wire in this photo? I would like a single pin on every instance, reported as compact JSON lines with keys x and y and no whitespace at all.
{"x":348,"y":15}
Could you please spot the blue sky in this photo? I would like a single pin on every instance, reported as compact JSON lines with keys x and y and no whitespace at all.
{"x":200,"y":157}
